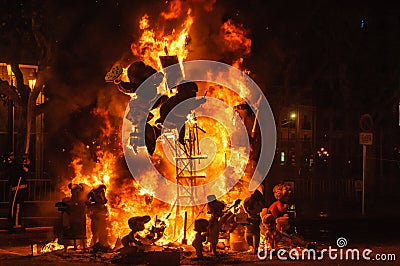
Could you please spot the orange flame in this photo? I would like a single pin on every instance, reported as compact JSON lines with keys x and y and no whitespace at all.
{"x":174,"y":10}
{"x":152,"y":45}
{"x":51,"y":246}
{"x":235,"y":38}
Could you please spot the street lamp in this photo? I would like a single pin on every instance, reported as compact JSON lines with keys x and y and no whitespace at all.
{"x":291,"y":119}
{"x":10,"y":73}
{"x":289,"y":122}
{"x":293,"y":127}
{"x":32,"y":79}
{"x":32,"y":83}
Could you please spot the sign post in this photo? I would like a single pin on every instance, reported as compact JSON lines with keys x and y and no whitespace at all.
{"x":363,"y":179}
{"x":366,"y":125}
{"x":365,"y":139}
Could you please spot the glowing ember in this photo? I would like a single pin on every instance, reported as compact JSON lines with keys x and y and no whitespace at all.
{"x":51,"y":246}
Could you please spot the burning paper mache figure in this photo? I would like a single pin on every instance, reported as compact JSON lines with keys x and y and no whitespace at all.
{"x":276,"y":220}
{"x":209,"y":230}
{"x":98,"y":214}
{"x":273,"y":238}
{"x":140,"y":237}
{"x":282,"y":193}
{"x":177,"y":116}
{"x":144,"y":100}
{"x":215,"y":208}
{"x":253,"y":205}
{"x":73,"y":215}
{"x":141,"y":102}
{"x":140,"y":106}
{"x":200,"y":227}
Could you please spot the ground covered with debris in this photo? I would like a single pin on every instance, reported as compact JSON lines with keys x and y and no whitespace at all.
{"x":16,"y":249}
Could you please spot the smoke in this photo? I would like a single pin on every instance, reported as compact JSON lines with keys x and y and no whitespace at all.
{"x":85,"y":40}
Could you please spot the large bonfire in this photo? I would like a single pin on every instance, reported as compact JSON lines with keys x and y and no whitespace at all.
{"x":125,"y":197}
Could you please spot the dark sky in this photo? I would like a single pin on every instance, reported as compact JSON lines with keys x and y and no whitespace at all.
{"x":89,"y":36}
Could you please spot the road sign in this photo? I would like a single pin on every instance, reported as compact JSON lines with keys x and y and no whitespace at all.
{"x":366,"y":138}
{"x":366,"y":123}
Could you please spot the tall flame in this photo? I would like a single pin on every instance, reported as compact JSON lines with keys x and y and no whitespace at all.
{"x":152,"y":44}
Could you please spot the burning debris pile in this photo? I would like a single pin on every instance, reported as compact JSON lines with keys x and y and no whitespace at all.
{"x":106,"y":210}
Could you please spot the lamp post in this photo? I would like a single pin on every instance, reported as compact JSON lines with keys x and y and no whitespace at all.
{"x":292,"y":121}
{"x":292,"y":124}
{"x":11,"y":109}
{"x":287,"y":122}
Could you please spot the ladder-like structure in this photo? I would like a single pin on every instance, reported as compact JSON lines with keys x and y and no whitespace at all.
{"x":187,"y":156}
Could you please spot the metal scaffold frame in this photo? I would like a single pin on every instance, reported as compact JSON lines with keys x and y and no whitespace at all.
{"x":187,"y":156}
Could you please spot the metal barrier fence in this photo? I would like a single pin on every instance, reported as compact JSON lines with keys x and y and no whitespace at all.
{"x":313,"y":189}
{"x":39,"y":190}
